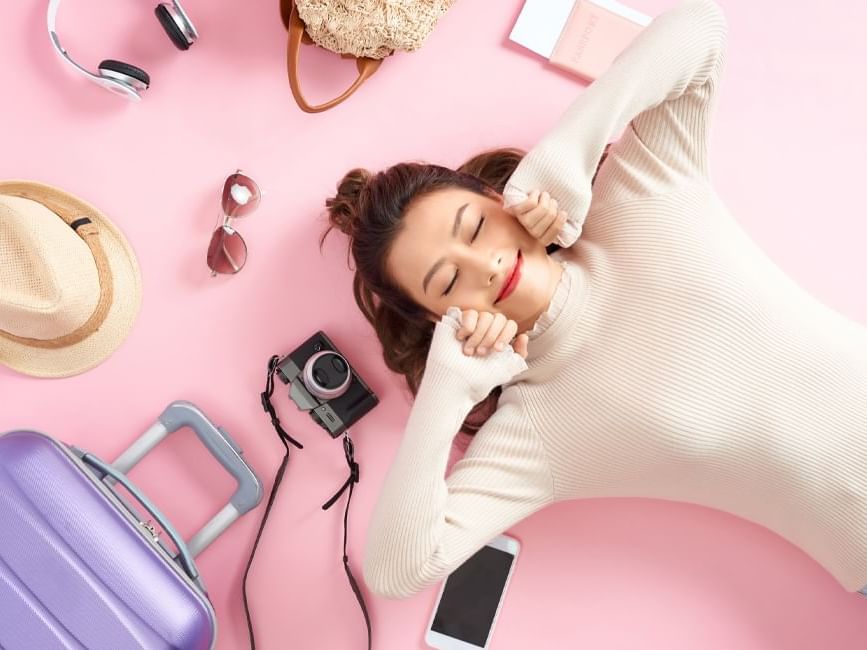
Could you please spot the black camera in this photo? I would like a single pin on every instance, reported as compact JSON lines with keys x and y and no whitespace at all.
{"x":322,"y":382}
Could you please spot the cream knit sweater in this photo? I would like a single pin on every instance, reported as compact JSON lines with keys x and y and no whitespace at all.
{"x":676,"y":361}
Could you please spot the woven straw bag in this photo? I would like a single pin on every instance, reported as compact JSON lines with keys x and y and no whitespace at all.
{"x":364,"y":30}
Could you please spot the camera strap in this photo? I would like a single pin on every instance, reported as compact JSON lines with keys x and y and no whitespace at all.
{"x":349,"y":451}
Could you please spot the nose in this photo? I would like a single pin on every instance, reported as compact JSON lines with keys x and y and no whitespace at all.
{"x":488,"y":268}
{"x":483,"y":268}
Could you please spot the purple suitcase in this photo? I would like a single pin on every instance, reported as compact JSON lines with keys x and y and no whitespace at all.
{"x":81,"y":567}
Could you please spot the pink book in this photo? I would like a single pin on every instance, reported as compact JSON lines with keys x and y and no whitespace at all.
{"x":582,"y":36}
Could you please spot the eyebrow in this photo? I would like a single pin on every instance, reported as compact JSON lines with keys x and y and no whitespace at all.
{"x":455,"y":230}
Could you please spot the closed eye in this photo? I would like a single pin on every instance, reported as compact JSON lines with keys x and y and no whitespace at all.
{"x":472,"y":239}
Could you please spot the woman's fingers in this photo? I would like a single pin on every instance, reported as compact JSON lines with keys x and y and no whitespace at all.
{"x":540,"y":216}
{"x":493,"y":334}
{"x":484,"y":322}
{"x":469,"y":318}
{"x":484,"y":332}
{"x":527,"y":204}
{"x":550,"y":234}
{"x":506,"y":334}
{"x":543,"y":225}
{"x":552,"y":224}
{"x":533,"y":197}
{"x":533,"y":219}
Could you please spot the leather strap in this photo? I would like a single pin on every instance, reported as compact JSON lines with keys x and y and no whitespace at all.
{"x":349,"y":451}
{"x":297,"y":35}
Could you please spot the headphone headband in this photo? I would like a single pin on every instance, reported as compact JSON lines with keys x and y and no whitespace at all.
{"x":53,"y":5}
{"x":123,"y":78}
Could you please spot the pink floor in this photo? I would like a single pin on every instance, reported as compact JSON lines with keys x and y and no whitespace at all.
{"x":788,"y":158}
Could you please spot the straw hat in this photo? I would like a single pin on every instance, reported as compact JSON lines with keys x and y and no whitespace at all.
{"x":70,"y":287}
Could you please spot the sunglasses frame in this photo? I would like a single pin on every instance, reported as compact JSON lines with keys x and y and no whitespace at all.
{"x":225,"y":229}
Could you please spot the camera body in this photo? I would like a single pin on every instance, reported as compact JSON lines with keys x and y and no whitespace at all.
{"x":322,"y":381}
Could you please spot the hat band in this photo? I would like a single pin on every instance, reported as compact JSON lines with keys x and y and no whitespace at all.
{"x":89,"y":233}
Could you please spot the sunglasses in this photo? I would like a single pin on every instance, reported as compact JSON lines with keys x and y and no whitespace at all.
{"x":227,"y":251}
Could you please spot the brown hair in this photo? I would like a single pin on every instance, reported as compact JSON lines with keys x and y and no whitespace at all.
{"x":369,"y":208}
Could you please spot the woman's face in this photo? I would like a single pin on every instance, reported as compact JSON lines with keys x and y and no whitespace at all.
{"x":458,"y":248}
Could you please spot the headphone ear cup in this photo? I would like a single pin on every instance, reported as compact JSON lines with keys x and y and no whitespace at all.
{"x":115,"y":68}
{"x":171,"y":28}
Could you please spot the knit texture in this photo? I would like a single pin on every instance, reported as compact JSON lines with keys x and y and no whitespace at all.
{"x":370,"y":28}
{"x":683,"y":364}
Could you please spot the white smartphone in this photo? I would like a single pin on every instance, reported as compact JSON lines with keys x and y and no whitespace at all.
{"x":471,"y":597}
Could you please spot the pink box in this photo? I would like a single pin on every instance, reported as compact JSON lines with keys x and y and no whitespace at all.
{"x":583,"y":37}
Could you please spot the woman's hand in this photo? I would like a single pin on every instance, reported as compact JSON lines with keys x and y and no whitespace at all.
{"x":483,"y":331}
{"x":539,"y":216}
{"x":479,"y":372}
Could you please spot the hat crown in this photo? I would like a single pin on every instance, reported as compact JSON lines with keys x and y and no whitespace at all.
{"x":49,"y":281}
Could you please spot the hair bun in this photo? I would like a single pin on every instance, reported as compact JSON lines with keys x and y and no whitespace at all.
{"x":345,"y":208}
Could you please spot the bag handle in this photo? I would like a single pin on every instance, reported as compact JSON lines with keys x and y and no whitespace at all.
{"x":366,"y":66}
{"x":222,"y":446}
{"x":185,"y":556}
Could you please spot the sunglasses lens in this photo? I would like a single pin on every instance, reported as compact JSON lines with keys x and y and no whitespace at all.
{"x":240,"y":195}
{"x":227,"y":252}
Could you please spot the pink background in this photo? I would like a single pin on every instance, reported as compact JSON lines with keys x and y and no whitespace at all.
{"x":787,"y":156}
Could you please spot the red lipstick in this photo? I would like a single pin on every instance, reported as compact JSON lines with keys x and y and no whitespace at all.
{"x":512,"y":281}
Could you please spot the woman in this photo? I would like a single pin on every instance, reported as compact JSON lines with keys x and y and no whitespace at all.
{"x":658,"y":353}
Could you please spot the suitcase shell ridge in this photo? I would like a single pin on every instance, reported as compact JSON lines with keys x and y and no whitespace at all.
{"x":78,"y":568}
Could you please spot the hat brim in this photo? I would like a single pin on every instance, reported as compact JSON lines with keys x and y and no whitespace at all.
{"x":82,"y":356}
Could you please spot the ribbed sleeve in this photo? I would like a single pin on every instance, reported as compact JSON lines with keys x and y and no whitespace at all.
{"x":425,"y":525}
{"x":667,"y":75}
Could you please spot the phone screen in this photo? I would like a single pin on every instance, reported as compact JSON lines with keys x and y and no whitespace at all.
{"x":471,"y":596}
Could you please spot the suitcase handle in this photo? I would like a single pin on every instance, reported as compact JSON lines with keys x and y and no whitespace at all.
{"x":247,"y":496}
{"x":185,"y":557}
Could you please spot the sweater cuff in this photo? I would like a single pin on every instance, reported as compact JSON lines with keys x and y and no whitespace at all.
{"x":474,"y":375}
{"x":556,"y":166}
{"x":569,"y":232}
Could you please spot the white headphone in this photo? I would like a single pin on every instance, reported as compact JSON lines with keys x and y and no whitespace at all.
{"x":123,"y":78}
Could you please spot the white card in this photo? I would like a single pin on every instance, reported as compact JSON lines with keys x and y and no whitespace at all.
{"x":540,"y":23}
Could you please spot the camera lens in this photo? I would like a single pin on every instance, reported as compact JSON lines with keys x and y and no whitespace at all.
{"x":329,"y":370}
{"x":327,"y":375}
